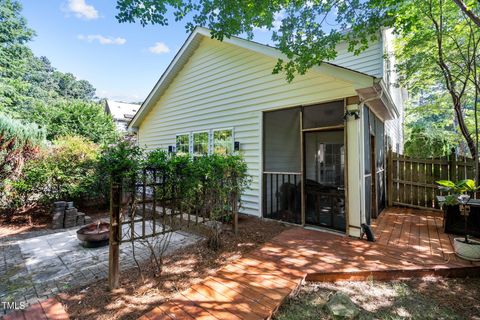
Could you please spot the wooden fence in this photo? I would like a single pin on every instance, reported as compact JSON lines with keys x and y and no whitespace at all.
{"x":411,"y":182}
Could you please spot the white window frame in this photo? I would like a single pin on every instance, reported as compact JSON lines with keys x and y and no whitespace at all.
{"x":223,"y":129}
{"x":189,"y":140}
{"x":193,"y":141}
{"x":211,"y":138}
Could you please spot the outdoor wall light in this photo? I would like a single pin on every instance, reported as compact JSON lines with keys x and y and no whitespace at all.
{"x":236,"y":146}
{"x":171,"y":149}
{"x":350,"y":113}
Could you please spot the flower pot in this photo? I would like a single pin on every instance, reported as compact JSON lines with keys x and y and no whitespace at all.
{"x":468,"y":251}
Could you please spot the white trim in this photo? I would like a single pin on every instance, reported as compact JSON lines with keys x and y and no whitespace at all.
{"x":212,"y":131}
{"x":182,"y":134}
{"x":193,"y":140}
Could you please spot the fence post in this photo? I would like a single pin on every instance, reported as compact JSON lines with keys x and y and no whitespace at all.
{"x":452,"y":163}
{"x":114,"y":241}
{"x":235,"y":213}
{"x":390,"y":177}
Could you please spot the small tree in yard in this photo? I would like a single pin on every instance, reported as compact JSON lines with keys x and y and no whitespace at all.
{"x":19,"y":142}
{"x":65,"y":170}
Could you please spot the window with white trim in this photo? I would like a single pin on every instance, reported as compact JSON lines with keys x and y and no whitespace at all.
{"x":200,"y":143}
{"x":222,"y":141}
{"x":183,"y":143}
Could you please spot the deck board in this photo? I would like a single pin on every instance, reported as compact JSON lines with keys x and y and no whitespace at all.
{"x":409,"y":243}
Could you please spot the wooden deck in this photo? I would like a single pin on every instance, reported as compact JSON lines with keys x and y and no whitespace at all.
{"x":409,"y":243}
{"x":49,"y":309}
{"x":416,"y":231}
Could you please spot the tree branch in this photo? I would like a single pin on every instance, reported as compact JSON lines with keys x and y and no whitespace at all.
{"x":468,"y":12}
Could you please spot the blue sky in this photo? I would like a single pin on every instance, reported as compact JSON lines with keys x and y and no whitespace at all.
{"x":123,"y":61}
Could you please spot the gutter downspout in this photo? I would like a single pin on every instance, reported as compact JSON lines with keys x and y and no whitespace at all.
{"x":362,"y":168}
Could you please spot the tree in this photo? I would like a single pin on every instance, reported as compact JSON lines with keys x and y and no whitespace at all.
{"x":19,"y":142}
{"x":14,"y":54}
{"x":74,"y":117}
{"x":24,"y":78}
{"x":310,"y":31}
{"x":440,"y":57}
{"x":470,"y":8}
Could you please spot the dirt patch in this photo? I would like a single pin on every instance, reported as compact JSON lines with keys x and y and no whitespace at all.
{"x":37,"y":219}
{"x":426,"y":298}
{"x":181,"y":270}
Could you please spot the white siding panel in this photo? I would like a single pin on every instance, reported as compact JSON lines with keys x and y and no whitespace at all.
{"x":225,"y":86}
{"x":369,"y":61}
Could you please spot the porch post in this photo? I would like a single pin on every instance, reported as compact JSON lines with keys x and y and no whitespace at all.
{"x":354,"y":181}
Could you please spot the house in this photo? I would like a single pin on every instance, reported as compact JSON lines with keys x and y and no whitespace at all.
{"x":121,"y":113}
{"x":315,"y":147}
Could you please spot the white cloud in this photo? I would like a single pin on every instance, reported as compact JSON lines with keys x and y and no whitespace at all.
{"x":82,"y":10}
{"x":101,"y":39}
{"x":159,"y":48}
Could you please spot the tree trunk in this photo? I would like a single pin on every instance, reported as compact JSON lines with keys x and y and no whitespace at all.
{"x":463,"y":127}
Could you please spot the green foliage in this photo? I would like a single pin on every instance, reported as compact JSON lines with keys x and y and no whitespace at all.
{"x":14,"y":33}
{"x":67,"y":170}
{"x":27,"y":80}
{"x":428,"y":142}
{"x":458,"y":190}
{"x":437,"y":51}
{"x":307,"y":33}
{"x":121,"y":161}
{"x":459,"y":187}
{"x":207,"y":184}
{"x":74,"y":117}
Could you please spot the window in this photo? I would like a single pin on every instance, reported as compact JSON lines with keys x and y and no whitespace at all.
{"x":223,"y":142}
{"x":200,"y":143}
{"x":183,"y":143}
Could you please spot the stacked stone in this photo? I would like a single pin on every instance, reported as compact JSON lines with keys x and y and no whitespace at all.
{"x":80,"y":219}
{"x":58,"y":214}
{"x":70,"y":217}
{"x":88,"y":220}
{"x":65,"y":215}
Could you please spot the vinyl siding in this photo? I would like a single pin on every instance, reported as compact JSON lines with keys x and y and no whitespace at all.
{"x":225,"y":86}
{"x":369,"y":61}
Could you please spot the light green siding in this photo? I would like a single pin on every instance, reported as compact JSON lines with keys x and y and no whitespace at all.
{"x":225,"y":86}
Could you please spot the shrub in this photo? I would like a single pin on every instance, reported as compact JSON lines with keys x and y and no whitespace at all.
{"x":120,"y":161}
{"x":19,"y":142}
{"x":67,"y":170}
{"x":74,"y":117}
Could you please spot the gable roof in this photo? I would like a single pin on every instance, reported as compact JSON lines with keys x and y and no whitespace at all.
{"x":121,"y":111}
{"x":358,"y":79}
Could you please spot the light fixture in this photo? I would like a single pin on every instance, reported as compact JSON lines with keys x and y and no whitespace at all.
{"x":350,"y":113}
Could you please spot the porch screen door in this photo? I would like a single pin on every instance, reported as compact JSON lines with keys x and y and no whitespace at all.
{"x":324,"y":179}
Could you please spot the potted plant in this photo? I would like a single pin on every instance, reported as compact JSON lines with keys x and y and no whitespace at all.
{"x":460,"y":193}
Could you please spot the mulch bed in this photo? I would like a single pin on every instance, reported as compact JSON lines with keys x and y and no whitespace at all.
{"x":181,"y":270}
{"x":37,"y":218}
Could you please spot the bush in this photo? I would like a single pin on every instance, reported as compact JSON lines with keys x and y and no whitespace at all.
{"x":74,"y":117}
{"x":67,"y":170}
{"x":19,"y":142}
{"x":120,"y":161}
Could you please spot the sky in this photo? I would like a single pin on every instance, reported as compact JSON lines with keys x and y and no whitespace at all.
{"x":123,"y":61}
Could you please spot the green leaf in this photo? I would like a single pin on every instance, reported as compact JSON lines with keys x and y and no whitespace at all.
{"x":445,"y":183}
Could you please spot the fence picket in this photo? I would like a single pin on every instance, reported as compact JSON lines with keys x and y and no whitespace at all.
{"x":414,"y":180}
